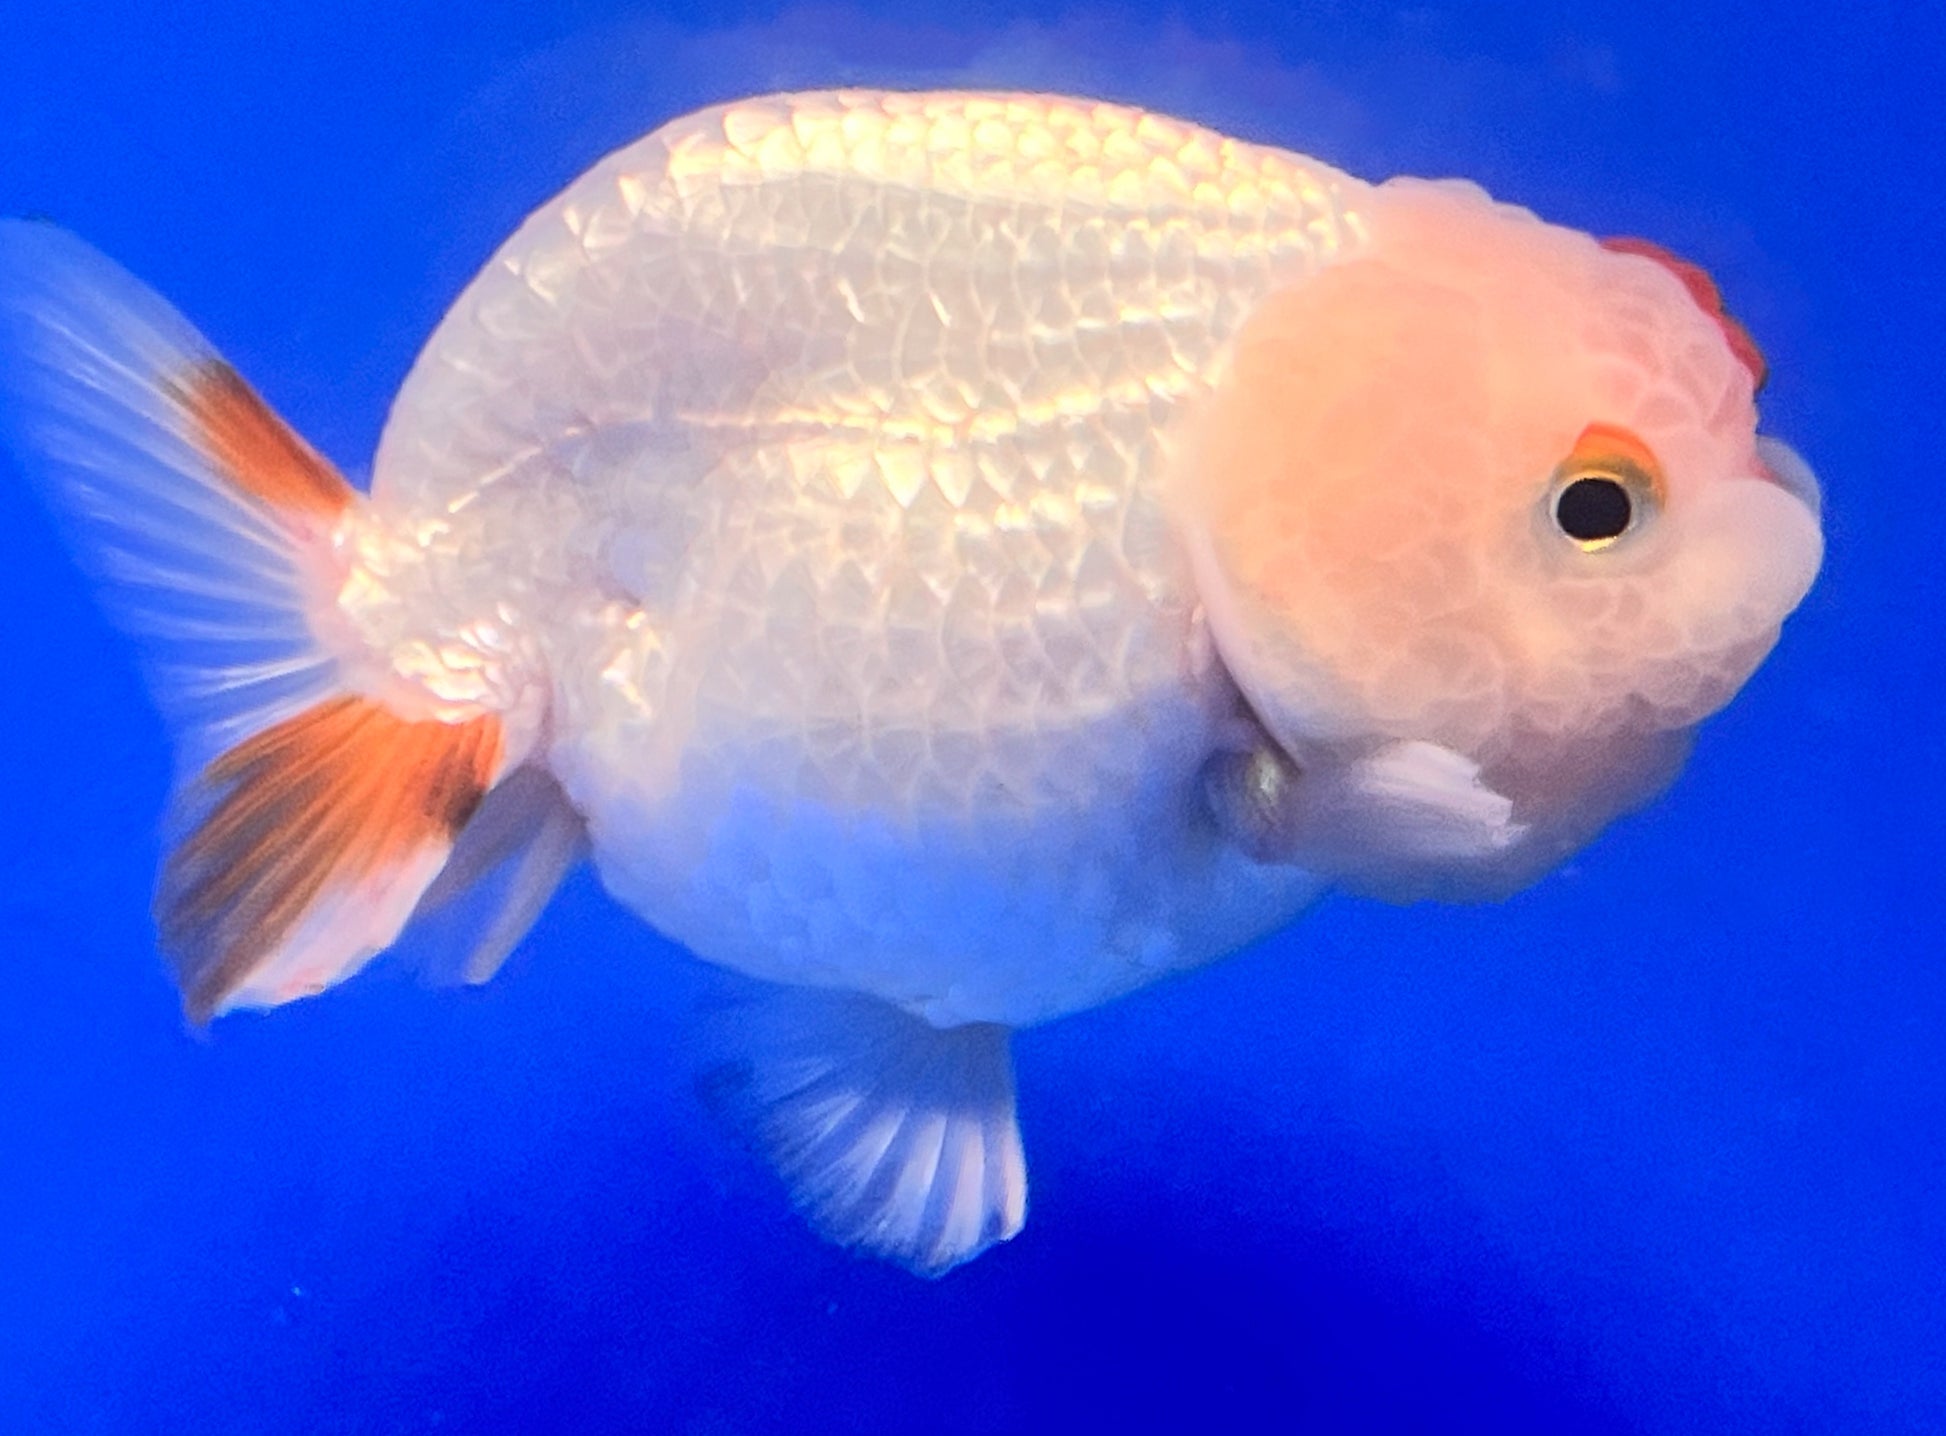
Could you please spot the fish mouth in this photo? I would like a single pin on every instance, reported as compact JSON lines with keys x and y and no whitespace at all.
{"x":1785,"y":467}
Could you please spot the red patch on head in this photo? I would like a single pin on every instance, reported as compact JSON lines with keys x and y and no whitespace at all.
{"x":1708,"y":298}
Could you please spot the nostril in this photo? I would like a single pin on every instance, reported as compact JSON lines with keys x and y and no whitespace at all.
{"x":1784,"y":464}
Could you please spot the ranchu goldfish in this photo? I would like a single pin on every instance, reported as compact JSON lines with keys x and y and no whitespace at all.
{"x":956,"y":557}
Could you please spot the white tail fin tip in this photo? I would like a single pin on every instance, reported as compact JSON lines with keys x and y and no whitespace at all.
{"x":205,"y":519}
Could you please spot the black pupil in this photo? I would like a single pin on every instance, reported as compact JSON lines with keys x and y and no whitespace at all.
{"x":1590,"y":510}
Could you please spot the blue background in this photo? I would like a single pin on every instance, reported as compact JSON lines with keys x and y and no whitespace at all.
{"x":1656,"y":1146}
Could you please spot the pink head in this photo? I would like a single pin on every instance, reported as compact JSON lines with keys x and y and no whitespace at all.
{"x":1493,"y":485}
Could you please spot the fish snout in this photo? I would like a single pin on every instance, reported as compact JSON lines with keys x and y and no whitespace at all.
{"x":1785,"y":467}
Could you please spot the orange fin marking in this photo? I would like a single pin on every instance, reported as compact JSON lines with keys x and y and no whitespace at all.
{"x":256,"y":450}
{"x":318,"y":803}
{"x":1708,"y":298}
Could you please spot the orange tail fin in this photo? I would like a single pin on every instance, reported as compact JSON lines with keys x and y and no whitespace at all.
{"x":312,"y":817}
{"x":321,"y":833}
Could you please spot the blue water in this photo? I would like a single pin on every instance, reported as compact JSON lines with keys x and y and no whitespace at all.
{"x":1656,"y":1146}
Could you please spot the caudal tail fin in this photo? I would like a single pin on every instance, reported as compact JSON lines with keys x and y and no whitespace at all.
{"x":310,"y":818}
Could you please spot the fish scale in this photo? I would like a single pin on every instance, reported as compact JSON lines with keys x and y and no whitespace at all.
{"x":927,"y":366}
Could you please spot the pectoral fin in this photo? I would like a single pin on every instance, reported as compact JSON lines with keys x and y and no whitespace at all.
{"x":1425,"y":802}
{"x":1399,"y":821}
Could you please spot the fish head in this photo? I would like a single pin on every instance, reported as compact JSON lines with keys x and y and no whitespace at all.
{"x":1495,"y":485}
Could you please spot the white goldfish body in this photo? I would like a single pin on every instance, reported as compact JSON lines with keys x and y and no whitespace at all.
{"x":960,"y":556}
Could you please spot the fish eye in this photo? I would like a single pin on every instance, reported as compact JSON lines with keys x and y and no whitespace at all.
{"x":1607,"y":487}
{"x":1594,"y":511}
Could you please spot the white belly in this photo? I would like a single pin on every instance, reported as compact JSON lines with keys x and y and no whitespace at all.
{"x":1006,"y":871}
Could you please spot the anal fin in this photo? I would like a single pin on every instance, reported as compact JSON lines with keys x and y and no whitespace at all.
{"x":504,"y":867}
{"x":893,"y":1136}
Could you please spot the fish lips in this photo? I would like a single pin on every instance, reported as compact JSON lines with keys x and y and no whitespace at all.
{"x":1785,"y":467}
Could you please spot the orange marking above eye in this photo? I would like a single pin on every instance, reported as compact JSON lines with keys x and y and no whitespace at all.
{"x":254,"y":449}
{"x":1608,"y":445}
{"x":1708,"y":298}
